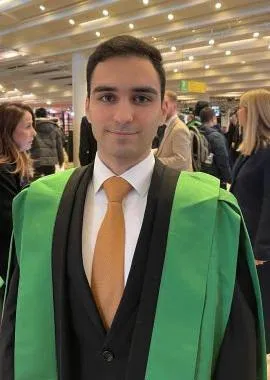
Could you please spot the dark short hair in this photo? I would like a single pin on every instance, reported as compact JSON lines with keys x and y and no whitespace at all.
{"x":126,"y":46}
{"x":199,"y":106}
{"x":41,"y":112}
{"x":206,"y":114}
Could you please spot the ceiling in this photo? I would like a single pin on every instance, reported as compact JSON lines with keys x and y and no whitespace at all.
{"x":36,"y":45}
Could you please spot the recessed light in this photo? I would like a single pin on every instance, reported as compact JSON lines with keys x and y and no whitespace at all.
{"x":15,"y":89}
{"x":173,"y":48}
{"x":243,"y":62}
{"x":131,"y":26}
{"x":256,"y":34}
{"x":193,"y":30}
{"x":154,"y":38}
{"x":228,"y":52}
{"x":36,"y":62}
{"x":145,"y":2}
{"x":98,"y":34}
{"x":42,"y":8}
{"x":191,"y":58}
{"x":170,"y":16}
{"x":71,"y":21}
{"x":211,"y":41}
{"x":218,"y":5}
{"x":269,"y":46}
{"x":175,"y":70}
{"x":207,"y":67}
{"x":49,"y":102}
{"x":105,"y":12}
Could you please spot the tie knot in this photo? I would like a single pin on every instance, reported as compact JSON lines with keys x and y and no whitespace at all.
{"x":116,"y":188}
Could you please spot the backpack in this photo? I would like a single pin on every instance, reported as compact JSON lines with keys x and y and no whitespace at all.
{"x":200,"y":148}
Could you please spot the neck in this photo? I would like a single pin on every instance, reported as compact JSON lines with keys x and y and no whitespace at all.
{"x":120,"y":165}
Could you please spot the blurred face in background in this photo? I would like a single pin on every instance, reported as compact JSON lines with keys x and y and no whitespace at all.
{"x":24,"y":132}
{"x":242,"y":116}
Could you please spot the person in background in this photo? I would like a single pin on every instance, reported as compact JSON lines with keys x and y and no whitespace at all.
{"x":17,"y":131}
{"x":88,"y":144}
{"x":47,"y":148}
{"x":218,"y":164}
{"x":234,"y":137}
{"x":251,"y":185}
{"x":138,"y":271}
{"x":174,"y":149}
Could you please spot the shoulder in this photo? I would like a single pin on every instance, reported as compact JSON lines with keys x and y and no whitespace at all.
{"x":180,"y":127}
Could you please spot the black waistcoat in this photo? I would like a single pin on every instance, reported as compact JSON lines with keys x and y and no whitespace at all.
{"x":84,"y":349}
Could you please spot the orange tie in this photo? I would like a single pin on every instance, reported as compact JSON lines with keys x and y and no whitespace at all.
{"x":108,"y":263}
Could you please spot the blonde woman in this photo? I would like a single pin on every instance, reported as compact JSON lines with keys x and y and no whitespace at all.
{"x":251,"y":185}
{"x":16,"y":136}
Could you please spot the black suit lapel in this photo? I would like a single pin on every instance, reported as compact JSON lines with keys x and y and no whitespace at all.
{"x":59,"y":269}
{"x":75,"y":261}
{"x":163,"y":185}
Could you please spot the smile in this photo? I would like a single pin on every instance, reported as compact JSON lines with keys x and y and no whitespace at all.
{"x":121,"y":133}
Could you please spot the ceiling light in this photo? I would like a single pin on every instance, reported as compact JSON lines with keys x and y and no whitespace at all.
{"x":170,"y":16}
{"x":98,"y":34}
{"x":207,"y":67}
{"x":105,"y":12}
{"x":191,"y":58}
{"x":243,"y":62}
{"x":211,"y":41}
{"x":218,"y":5}
{"x":193,"y":30}
{"x":173,"y":48}
{"x":154,"y":38}
{"x":71,"y":21}
{"x":49,"y":102}
{"x":145,"y":2}
{"x":15,"y":89}
{"x":175,"y":70}
{"x":269,"y":46}
{"x":42,"y":8}
{"x":228,"y":52}
{"x":131,"y":26}
{"x":256,"y":34}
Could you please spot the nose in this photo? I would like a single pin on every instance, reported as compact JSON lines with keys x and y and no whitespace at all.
{"x":123,"y":112}
{"x":34,"y":133}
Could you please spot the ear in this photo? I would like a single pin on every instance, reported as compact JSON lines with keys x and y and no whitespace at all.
{"x":87,"y":109}
{"x":164,"y":111}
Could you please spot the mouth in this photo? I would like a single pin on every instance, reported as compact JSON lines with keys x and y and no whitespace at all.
{"x":122,"y":133}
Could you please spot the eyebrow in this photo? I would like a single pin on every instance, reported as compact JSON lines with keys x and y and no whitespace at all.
{"x":144,"y":89}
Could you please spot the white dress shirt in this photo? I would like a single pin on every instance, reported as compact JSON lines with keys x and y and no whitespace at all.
{"x":139,"y":176}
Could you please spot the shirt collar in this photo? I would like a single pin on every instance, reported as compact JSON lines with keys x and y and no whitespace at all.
{"x":139,"y":176}
{"x":171,"y":119}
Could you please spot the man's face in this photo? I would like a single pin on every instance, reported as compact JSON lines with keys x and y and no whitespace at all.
{"x":124,"y":108}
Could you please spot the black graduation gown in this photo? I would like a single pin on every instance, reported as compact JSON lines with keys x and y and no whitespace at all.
{"x":135,"y":316}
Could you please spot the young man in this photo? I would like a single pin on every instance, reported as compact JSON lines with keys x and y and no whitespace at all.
{"x":128,"y":271}
{"x":175,"y":149}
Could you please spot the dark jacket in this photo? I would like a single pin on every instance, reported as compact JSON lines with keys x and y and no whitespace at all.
{"x":47,"y":148}
{"x":251,"y":187}
{"x":10,"y":186}
{"x":88,"y":144}
{"x":220,"y":166}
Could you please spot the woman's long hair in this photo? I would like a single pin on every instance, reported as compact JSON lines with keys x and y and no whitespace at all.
{"x":256,"y":132}
{"x":10,"y":116}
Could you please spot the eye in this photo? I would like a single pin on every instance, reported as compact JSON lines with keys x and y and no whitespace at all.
{"x":141,"y":99}
{"x":108,"y":98}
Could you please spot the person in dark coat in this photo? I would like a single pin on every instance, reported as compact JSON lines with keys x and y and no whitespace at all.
{"x":47,"y":148}
{"x":218,"y":164}
{"x":251,"y":185}
{"x":17,"y":132}
{"x":88,"y":144}
{"x":234,"y":137}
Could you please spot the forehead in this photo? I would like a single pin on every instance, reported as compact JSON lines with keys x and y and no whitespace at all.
{"x":125,"y":72}
{"x":26,"y":118}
